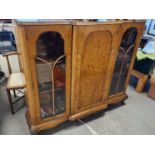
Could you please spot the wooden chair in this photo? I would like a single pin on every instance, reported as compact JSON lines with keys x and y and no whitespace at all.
{"x":15,"y":82}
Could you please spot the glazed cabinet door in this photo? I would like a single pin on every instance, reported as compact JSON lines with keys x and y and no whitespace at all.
{"x":130,"y":38}
{"x":94,"y":48}
{"x":50,"y":68}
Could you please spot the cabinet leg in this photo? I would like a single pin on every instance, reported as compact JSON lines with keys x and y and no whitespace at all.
{"x":32,"y":131}
{"x":123,"y":102}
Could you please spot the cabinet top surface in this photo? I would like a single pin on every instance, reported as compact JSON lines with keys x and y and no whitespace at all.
{"x":69,"y":22}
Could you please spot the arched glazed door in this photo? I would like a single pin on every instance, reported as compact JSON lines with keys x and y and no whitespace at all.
{"x":50,"y":59}
{"x":123,"y":60}
{"x":50,"y":66}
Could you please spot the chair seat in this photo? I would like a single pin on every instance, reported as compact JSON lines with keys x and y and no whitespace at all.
{"x":16,"y":81}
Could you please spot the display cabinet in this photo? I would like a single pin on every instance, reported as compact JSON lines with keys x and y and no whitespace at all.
{"x":73,"y":68}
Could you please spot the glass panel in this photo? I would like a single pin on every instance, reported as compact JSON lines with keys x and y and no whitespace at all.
{"x":114,"y":84}
{"x":50,"y":67}
{"x":123,"y":61}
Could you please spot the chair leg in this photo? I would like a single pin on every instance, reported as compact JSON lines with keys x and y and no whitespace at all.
{"x":14,"y":92}
{"x":10,"y":101}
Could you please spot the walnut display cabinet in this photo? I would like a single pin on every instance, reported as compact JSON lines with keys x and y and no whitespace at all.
{"x":74,"y":68}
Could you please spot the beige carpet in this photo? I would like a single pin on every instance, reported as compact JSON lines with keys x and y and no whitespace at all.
{"x":137,"y":116}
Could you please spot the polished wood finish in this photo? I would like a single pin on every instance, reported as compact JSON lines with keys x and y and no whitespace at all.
{"x":91,"y":51}
{"x":142,"y":79}
{"x":33,"y":33}
{"x":151,"y":92}
{"x":124,"y":27}
{"x":92,"y":45}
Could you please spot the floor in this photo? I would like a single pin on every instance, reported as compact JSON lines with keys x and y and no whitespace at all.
{"x":135,"y":117}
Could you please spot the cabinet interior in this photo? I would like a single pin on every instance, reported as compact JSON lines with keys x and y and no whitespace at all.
{"x":123,"y":61}
{"x":50,"y":67}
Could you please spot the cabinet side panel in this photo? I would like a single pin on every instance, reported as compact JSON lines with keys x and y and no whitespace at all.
{"x":21,"y":34}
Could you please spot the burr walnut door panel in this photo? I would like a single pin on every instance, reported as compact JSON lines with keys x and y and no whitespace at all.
{"x":94,"y":47}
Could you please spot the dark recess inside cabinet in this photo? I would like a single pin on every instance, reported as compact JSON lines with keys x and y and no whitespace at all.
{"x":123,"y":61}
{"x":50,"y":67}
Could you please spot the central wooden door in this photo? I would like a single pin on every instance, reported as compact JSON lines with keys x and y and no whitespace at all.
{"x":94,"y":47}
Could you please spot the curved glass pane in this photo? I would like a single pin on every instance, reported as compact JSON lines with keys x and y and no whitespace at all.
{"x":50,"y":67}
{"x":123,"y":61}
